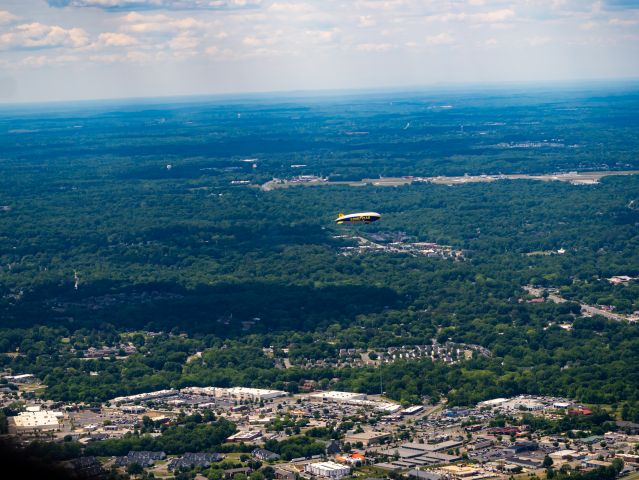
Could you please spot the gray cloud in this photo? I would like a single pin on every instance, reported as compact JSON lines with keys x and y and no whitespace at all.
{"x":125,"y":5}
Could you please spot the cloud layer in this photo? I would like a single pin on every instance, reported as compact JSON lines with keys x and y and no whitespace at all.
{"x":156,"y":4}
{"x":296,"y":44}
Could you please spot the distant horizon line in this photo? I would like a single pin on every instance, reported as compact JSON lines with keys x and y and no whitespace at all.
{"x":433,"y":88}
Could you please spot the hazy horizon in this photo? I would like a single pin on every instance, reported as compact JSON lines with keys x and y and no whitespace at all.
{"x":435,"y":89}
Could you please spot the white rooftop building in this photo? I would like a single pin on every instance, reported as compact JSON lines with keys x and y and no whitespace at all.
{"x":235,"y":393}
{"x":32,"y":422}
{"x":256,"y":394}
{"x":336,"y":396}
{"x":142,"y":397}
{"x":492,"y":403}
{"x":327,"y":469}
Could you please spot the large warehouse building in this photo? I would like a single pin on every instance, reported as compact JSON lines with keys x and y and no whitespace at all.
{"x":34,"y":422}
{"x":340,"y":397}
{"x":327,"y":469}
{"x":255,"y":394}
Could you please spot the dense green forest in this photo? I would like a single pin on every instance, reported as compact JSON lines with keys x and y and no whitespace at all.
{"x":87,"y":200}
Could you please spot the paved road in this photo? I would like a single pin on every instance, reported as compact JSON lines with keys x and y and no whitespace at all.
{"x":604,"y":313}
{"x":585,"y":309}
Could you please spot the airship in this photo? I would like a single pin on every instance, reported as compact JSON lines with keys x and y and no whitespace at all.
{"x":364,"y":217}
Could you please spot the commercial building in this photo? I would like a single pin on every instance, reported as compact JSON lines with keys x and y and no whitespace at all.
{"x":566,"y":455}
{"x":460,"y":471}
{"x":145,"y":397}
{"x":413,"y":410}
{"x":411,"y":455}
{"x":328,"y":469}
{"x":367,"y":438}
{"x":235,"y":393}
{"x":35,"y":422}
{"x":254,"y":394}
{"x":245,"y":436}
{"x":492,"y":403}
{"x":336,"y":396}
{"x":354,"y":399}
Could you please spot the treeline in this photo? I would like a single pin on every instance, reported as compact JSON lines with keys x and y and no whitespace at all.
{"x":175,"y":440}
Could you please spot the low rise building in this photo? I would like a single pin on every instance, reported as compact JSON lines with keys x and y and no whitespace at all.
{"x":144,"y":397}
{"x":143,"y":458}
{"x":328,"y":469}
{"x":265,"y":455}
{"x":336,"y":396}
{"x":254,"y":394}
{"x":413,"y":410}
{"x":190,"y":460}
{"x":35,"y":422}
{"x":367,"y":438}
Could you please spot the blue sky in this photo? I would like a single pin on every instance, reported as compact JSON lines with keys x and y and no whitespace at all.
{"x":84,"y":49}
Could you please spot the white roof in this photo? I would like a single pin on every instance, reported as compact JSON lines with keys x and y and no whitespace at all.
{"x":254,"y":391}
{"x":494,"y":401}
{"x":330,"y":466}
{"x":413,"y":409}
{"x":43,"y":418}
{"x":564,"y":453}
{"x":337,"y":395}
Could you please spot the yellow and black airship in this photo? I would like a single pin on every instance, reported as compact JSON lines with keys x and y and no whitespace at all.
{"x":364,"y":217}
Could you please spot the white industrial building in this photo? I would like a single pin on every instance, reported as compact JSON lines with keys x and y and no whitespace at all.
{"x":235,"y":393}
{"x":492,"y":403}
{"x":255,"y":394}
{"x":335,"y":396}
{"x":35,"y":422}
{"x":415,"y":409}
{"x":143,"y":397}
{"x":327,"y":469}
{"x":355,"y":399}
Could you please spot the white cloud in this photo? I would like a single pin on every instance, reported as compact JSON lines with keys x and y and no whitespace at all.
{"x":48,"y":61}
{"x":253,"y":41}
{"x":290,"y":8}
{"x":622,"y":22}
{"x":587,"y":25}
{"x":382,"y":5}
{"x":112,"y":39}
{"x":7,"y":17}
{"x":137,"y":23}
{"x":158,"y":4}
{"x":322,"y":36}
{"x":374,"y":47}
{"x":440,"y":39}
{"x":538,"y":41}
{"x":366,"y":21}
{"x":37,"y":35}
{"x":494,"y":16}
